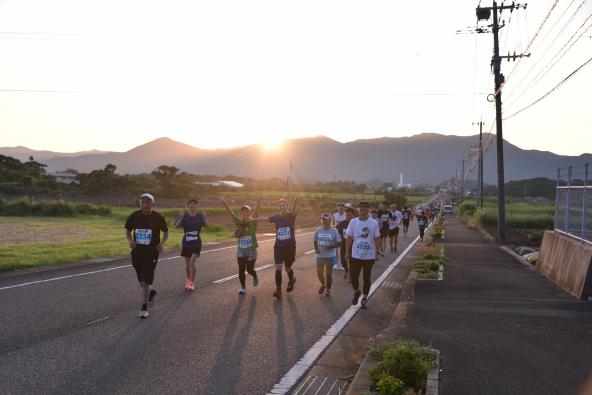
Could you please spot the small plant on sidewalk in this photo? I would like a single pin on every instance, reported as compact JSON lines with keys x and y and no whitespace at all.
{"x":402,"y":368}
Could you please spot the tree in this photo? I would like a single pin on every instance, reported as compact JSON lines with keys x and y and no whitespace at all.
{"x":395,"y":198}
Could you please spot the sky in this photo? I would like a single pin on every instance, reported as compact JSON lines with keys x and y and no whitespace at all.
{"x":110,"y":75}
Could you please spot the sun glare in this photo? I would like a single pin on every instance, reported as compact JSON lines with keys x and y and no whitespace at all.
{"x":272,"y":142}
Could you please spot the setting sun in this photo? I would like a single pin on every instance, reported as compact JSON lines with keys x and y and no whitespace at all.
{"x":272,"y":142}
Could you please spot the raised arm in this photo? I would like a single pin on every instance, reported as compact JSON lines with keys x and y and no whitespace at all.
{"x":229,"y":210}
{"x":205,"y":218}
{"x":179,"y":221}
{"x":257,"y":207}
{"x":294,"y":206}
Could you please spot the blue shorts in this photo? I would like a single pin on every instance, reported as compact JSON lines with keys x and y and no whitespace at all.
{"x":327,"y":260}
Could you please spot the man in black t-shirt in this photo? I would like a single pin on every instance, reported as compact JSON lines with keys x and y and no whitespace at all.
{"x":384,"y":215}
{"x":341,"y":227}
{"x":146,"y":244}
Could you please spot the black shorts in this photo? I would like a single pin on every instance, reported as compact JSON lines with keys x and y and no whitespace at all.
{"x":394,"y":232}
{"x":284,"y":254}
{"x":384,"y":231}
{"x":406,"y":222}
{"x":144,"y":261}
{"x":186,"y":252}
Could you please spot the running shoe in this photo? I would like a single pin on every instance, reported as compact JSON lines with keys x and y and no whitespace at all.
{"x":291,"y":284}
{"x":322,"y":289}
{"x":364,"y":303}
{"x":152,"y":295}
{"x":356,"y":298}
{"x":191,"y":286}
{"x":277,"y":294}
{"x":255,"y":281}
{"x":242,"y":291}
{"x":143,"y":314}
{"x":187,"y":285}
{"x":328,"y":292}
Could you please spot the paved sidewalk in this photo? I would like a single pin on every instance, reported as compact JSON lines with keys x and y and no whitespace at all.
{"x":501,"y":327}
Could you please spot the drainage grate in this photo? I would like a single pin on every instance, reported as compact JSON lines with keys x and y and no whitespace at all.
{"x":318,"y":385}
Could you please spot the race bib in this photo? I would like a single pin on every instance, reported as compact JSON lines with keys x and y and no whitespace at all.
{"x":385,"y":217}
{"x":325,"y":239}
{"x":143,"y":236}
{"x":191,"y":236}
{"x":284,"y":233}
{"x":363,"y":247}
{"x":421,"y":222}
{"x":245,"y":242}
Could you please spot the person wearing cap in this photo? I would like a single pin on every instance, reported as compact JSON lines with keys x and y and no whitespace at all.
{"x":363,"y":239}
{"x":192,"y":223}
{"x":336,"y":218}
{"x":326,"y":241}
{"x":142,"y":229}
{"x":407,"y":216}
{"x":394,"y":225}
{"x":246,"y":233}
{"x":284,"y":250}
{"x":384,"y":216}
{"x":349,"y":215}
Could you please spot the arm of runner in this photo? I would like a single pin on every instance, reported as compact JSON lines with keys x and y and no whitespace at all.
{"x":165,"y":237}
{"x":316,"y":247}
{"x":179,"y":221}
{"x":257,"y":207}
{"x":294,"y":206}
{"x":229,"y":210}
{"x":378,"y":245}
{"x":130,"y":239}
{"x":348,"y":246}
{"x":205,"y":218}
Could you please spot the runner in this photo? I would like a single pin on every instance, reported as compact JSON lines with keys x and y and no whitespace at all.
{"x":246,"y":252}
{"x":428,"y":214}
{"x":384,"y":215}
{"x":363,"y":240}
{"x":191,"y":223}
{"x":349,"y":215}
{"x":422,"y":221}
{"x":394,"y":224}
{"x":406,"y":214}
{"x":146,"y":225}
{"x":326,"y":241}
{"x":336,"y":219}
{"x":284,"y":250}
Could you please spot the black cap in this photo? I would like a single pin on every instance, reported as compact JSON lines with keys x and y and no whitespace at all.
{"x":363,"y":205}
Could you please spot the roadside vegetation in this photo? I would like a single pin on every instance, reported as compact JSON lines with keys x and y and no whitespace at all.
{"x":403,"y":367}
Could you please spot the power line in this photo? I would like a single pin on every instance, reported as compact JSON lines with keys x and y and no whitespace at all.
{"x":552,"y":89}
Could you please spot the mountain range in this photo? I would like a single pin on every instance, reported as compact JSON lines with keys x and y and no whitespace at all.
{"x":427,"y":158}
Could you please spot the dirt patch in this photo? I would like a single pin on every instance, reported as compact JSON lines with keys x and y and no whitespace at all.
{"x":38,"y":234}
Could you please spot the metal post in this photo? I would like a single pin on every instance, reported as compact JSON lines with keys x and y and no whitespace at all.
{"x":480,"y":205}
{"x":567,"y":199}
{"x":584,"y":201}
{"x":557,"y":198}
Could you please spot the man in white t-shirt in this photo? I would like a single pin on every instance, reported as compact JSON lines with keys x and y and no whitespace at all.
{"x":336,"y":219}
{"x":363,"y":240}
{"x":394,"y":225}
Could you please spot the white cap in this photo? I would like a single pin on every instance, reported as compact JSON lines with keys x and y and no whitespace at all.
{"x":147,"y":196}
{"x":348,"y":204}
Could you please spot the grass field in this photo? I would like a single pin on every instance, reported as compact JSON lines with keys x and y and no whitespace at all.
{"x":336,"y":197}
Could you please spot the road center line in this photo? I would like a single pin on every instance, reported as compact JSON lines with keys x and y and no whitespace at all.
{"x":47,"y":280}
{"x":223,"y":280}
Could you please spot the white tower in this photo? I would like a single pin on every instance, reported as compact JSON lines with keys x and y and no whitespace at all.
{"x":401,"y":180}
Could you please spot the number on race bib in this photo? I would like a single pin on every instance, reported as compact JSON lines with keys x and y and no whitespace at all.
{"x":245,"y":242}
{"x":284,"y":234}
{"x":143,"y":236}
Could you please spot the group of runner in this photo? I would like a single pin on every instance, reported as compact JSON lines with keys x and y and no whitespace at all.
{"x":355,"y":241}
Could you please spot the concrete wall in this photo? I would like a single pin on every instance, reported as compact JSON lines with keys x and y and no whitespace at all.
{"x":567,"y":261}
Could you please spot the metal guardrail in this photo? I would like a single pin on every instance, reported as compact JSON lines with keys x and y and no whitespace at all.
{"x":573,"y":202}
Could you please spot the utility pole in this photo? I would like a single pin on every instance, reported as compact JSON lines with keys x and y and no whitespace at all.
{"x":484,"y":13}
{"x":480,"y":172}
{"x":462,"y":180}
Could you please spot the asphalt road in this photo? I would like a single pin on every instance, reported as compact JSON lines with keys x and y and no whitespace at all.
{"x":80,"y":332}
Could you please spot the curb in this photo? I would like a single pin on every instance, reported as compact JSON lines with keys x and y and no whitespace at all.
{"x":519,"y":258}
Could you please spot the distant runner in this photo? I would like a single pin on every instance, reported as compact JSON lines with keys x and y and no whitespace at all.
{"x":336,"y":219}
{"x":406,"y":215}
{"x":422,"y":222}
{"x":191,"y":245}
{"x":349,"y":212}
{"x":246,"y":252}
{"x":363,"y":238}
{"x":394,"y":224}
{"x":146,"y":225}
{"x":384,"y":216}
{"x":326,"y":241}
{"x":284,"y":250}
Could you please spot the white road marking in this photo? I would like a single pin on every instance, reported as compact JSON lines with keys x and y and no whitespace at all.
{"x":309,"y":252}
{"x":223,"y":280}
{"x":47,"y":280}
{"x":305,"y":363}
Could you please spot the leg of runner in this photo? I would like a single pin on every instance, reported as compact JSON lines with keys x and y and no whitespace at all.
{"x":342,"y":251}
{"x":321,"y":274}
{"x":367,"y":269}
{"x":329,"y":264}
{"x":242,"y":266}
{"x":192,"y":271}
{"x":187,"y":272}
{"x":355,"y":269}
{"x":252,"y":272}
{"x":278,"y":280}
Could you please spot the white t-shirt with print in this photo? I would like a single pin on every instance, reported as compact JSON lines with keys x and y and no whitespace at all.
{"x":337,"y":218}
{"x":395,"y":220}
{"x":364,"y":233}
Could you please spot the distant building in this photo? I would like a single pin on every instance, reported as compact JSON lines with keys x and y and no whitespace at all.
{"x":228,"y":184}
{"x":64,"y":177}
{"x":401,"y":184}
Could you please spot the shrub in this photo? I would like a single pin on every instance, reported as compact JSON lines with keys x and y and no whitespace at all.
{"x":434,"y":266}
{"x":467,"y":208}
{"x":402,"y":365}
